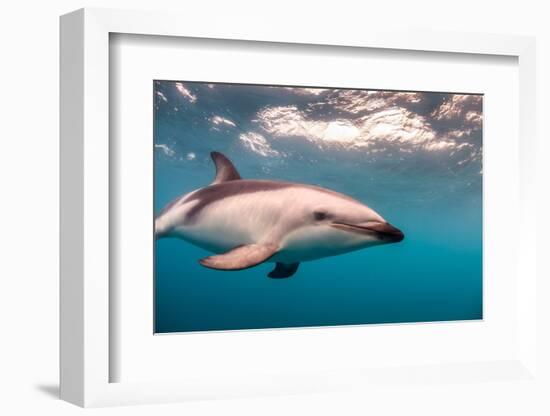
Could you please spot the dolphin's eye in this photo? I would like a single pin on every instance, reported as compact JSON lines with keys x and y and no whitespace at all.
{"x":320,"y":215}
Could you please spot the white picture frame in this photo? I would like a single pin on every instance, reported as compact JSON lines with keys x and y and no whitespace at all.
{"x":85,"y":165}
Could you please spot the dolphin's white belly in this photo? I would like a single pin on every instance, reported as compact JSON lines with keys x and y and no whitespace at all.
{"x":313,"y":242}
{"x":231,"y":222}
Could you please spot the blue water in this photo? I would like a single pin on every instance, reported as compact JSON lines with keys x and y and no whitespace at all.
{"x":433,"y":196}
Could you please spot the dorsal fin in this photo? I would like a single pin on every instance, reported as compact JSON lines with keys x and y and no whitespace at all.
{"x":225,"y":171}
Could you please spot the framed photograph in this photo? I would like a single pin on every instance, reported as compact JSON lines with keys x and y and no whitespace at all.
{"x":315,"y":156}
{"x":274,"y":213}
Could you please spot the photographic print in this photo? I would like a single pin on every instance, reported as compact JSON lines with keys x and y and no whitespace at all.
{"x":290,"y":206}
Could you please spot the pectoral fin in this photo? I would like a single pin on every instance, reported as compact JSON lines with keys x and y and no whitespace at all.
{"x":283,"y":270}
{"x":241,"y":257}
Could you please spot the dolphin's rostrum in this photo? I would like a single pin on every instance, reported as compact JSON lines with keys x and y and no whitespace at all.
{"x":248,"y":222}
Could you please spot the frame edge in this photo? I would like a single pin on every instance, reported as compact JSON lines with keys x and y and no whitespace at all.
{"x":71,"y":202}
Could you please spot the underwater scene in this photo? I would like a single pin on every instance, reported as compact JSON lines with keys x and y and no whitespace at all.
{"x":279,"y":206}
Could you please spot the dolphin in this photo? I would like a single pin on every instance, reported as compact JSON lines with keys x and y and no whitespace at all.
{"x":249,"y":222}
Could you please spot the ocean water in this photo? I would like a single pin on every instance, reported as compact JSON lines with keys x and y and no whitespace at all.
{"x":415,"y":158}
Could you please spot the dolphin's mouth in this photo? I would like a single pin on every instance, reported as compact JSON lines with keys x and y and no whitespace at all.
{"x":382,"y":230}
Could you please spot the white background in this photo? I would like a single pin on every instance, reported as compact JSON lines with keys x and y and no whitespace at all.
{"x":29,"y":159}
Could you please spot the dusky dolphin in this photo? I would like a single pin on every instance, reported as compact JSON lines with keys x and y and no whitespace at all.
{"x":248,"y":222}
